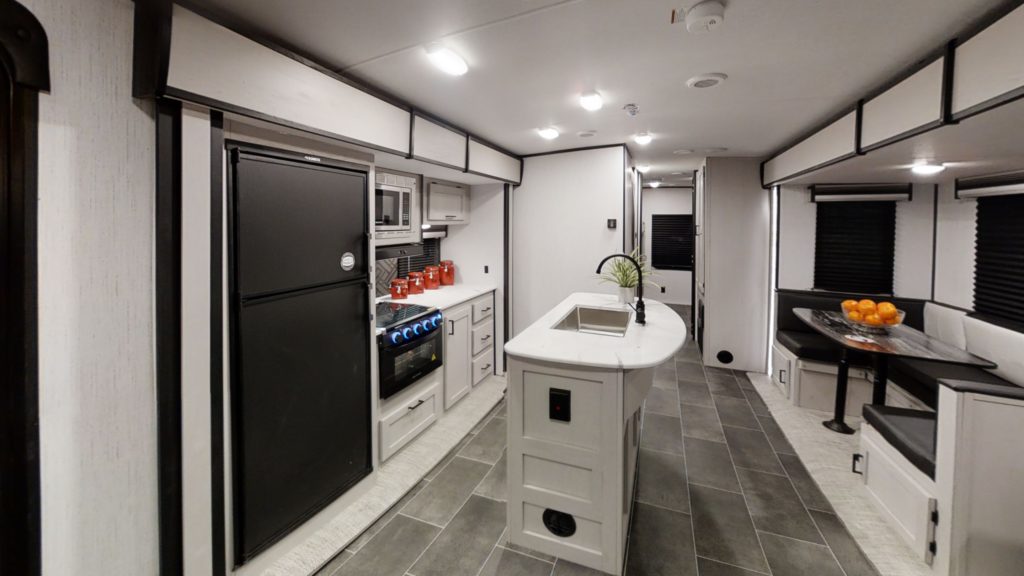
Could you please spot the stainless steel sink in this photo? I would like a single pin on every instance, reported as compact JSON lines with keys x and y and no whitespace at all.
{"x":601,"y":321}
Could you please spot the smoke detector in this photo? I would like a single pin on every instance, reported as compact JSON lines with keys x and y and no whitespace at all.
{"x":706,"y":80}
{"x":631,"y":110}
{"x":703,"y":17}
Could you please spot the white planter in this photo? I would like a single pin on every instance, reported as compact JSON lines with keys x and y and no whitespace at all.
{"x":626,"y":294}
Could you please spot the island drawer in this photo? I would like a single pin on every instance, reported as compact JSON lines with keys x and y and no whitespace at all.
{"x":483,"y":366}
{"x":401,"y":425}
{"x":483,"y":337}
{"x":483,"y":308}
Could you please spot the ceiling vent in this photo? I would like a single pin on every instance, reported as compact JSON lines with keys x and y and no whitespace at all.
{"x":703,"y":17}
{"x":586,"y":133}
{"x":706,"y":80}
{"x":631,"y":110}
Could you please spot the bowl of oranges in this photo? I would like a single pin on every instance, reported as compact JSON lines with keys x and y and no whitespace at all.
{"x":870,"y":316}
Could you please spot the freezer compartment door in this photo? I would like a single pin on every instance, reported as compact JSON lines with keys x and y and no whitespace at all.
{"x":297,"y":224}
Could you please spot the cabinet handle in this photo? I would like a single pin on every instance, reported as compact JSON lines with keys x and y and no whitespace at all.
{"x":417,"y":405}
{"x":488,"y":309}
{"x":449,"y":217}
{"x":451,"y":327}
{"x":485,"y":338}
{"x":782,"y":377}
{"x":485,"y":368}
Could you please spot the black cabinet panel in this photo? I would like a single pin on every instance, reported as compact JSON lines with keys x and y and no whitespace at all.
{"x":301,"y":408}
{"x":294,"y":221}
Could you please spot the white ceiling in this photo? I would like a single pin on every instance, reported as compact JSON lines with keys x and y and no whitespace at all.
{"x":791,"y":63}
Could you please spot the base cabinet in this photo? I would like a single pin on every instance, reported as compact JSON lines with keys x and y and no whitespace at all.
{"x":458,"y":380}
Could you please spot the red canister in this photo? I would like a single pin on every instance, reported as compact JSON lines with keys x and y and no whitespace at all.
{"x":447,"y":273}
{"x":399,"y":289}
{"x":415,"y":282}
{"x":432,"y":277}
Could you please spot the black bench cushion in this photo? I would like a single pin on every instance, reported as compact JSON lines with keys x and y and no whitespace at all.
{"x":911,"y":432}
{"x":815,"y":346}
{"x":921,"y":377}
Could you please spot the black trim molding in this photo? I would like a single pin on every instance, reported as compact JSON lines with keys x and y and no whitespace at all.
{"x":818,"y":190}
{"x":1015,"y":178}
{"x":24,"y":72}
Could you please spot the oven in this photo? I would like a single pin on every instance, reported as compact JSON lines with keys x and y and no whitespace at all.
{"x":409,"y":352}
{"x":396,"y":209}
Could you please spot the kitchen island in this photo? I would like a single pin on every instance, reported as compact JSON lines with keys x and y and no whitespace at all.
{"x":578,"y":377}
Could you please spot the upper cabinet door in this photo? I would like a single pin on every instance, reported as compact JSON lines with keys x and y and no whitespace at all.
{"x":435,"y":143}
{"x":446,"y":203}
{"x":490,"y":162}
{"x":296,"y":224}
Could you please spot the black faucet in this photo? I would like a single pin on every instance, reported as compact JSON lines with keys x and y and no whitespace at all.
{"x":641,"y":314}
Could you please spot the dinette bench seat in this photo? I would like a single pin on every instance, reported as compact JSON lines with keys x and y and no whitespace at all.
{"x":921,"y":377}
{"x":910,"y":432}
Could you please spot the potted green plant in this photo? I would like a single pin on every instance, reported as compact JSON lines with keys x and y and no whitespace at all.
{"x":622,"y":273}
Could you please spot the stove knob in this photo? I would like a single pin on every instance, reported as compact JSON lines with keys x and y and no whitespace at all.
{"x":406,"y":332}
{"x":436,"y":320}
{"x":428,"y":325}
{"x":417,"y":329}
{"x":396,"y":337}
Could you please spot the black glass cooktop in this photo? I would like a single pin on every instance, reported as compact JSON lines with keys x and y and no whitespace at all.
{"x":393,"y":313}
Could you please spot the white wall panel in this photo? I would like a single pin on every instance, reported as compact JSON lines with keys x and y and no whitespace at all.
{"x":677,"y":283}
{"x":435,"y":142}
{"x":912,"y":273}
{"x":798,"y":217}
{"x":214,"y":62}
{"x":954,"y":266}
{"x":738,"y":220}
{"x":912,"y":103}
{"x":991,"y":63}
{"x":486,"y":160}
{"x":482,"y":243}
{"x":559,"y":231}
{"x":96,"y":383}
{"x":831,"y":142}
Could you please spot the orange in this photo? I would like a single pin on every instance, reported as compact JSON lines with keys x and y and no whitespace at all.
{"x":849,"y":305}
{"x":866,"y":307}
{"x":873,"y":320}
{"x":855,"y":316}
{"x":892,"y":321}
{"x":887,"y":310}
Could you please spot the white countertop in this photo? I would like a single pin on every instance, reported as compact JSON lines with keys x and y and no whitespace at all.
{"x":642,"y":346}
{"x":445,"y":296}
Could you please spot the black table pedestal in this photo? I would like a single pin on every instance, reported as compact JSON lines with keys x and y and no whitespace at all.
{"x":838,"y":422}
{"x":881,"y":379}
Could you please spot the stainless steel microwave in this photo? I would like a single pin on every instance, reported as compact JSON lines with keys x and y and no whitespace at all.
{"x":396,"y":208}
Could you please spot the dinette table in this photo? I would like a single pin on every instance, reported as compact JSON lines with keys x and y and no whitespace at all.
{"x":899,"y":341}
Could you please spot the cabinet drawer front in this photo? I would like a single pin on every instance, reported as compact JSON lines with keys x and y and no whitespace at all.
{"x":483,"y":367}
{"x":482,"y":309}
{"x":483,"y":337}
{"x":406,"y":422}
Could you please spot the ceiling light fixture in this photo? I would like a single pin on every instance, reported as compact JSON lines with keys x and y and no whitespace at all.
{"x":655,"y":184}
{"x":706,"y":80}
{"x":591,"y":101}
{"x":642,"y":138}
{"x":923,"y":168}
{"x":549,"y":133}
{"x":643,"y":168}
{"x":446,"y":60}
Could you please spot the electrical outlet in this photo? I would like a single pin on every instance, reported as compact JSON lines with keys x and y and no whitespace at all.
{"x":487,"y":270}
{"x":662,"y":289}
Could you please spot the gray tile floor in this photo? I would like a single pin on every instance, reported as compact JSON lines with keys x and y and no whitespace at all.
{"x":720,"y":493}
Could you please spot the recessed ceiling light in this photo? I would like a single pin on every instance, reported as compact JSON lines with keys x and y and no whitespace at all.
{"x":682,"y":151}
{"x":655,"y":184}
{"x":706,"y":80}
{"x":642,"y":138}
{"x":549,"y":133}
{"x":591,"y":101}
{"x":643,"y":168}
{"x":446,"y":60}
{"x":923,"y":168}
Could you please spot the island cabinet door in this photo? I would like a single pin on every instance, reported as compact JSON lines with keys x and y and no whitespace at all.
{"x":458,"y":378}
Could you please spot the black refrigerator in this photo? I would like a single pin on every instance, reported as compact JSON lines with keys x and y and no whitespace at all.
{"x":299,"y":339}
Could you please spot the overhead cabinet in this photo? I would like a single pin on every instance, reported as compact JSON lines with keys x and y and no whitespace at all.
{"x":836,"y":141}
{"x":435,"y":143}
{"x":487,"y":161}
{"x":988,"y":66}
{"x":445,"y":203}
{"x":910,"y":105}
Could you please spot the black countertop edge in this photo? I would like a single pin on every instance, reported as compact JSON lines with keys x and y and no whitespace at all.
{"x":1007,"y":390}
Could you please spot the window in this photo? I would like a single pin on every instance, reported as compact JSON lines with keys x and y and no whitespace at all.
{"x":854,"y":247}
{"x":999,"y":259}
{"x":672,"y":241}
